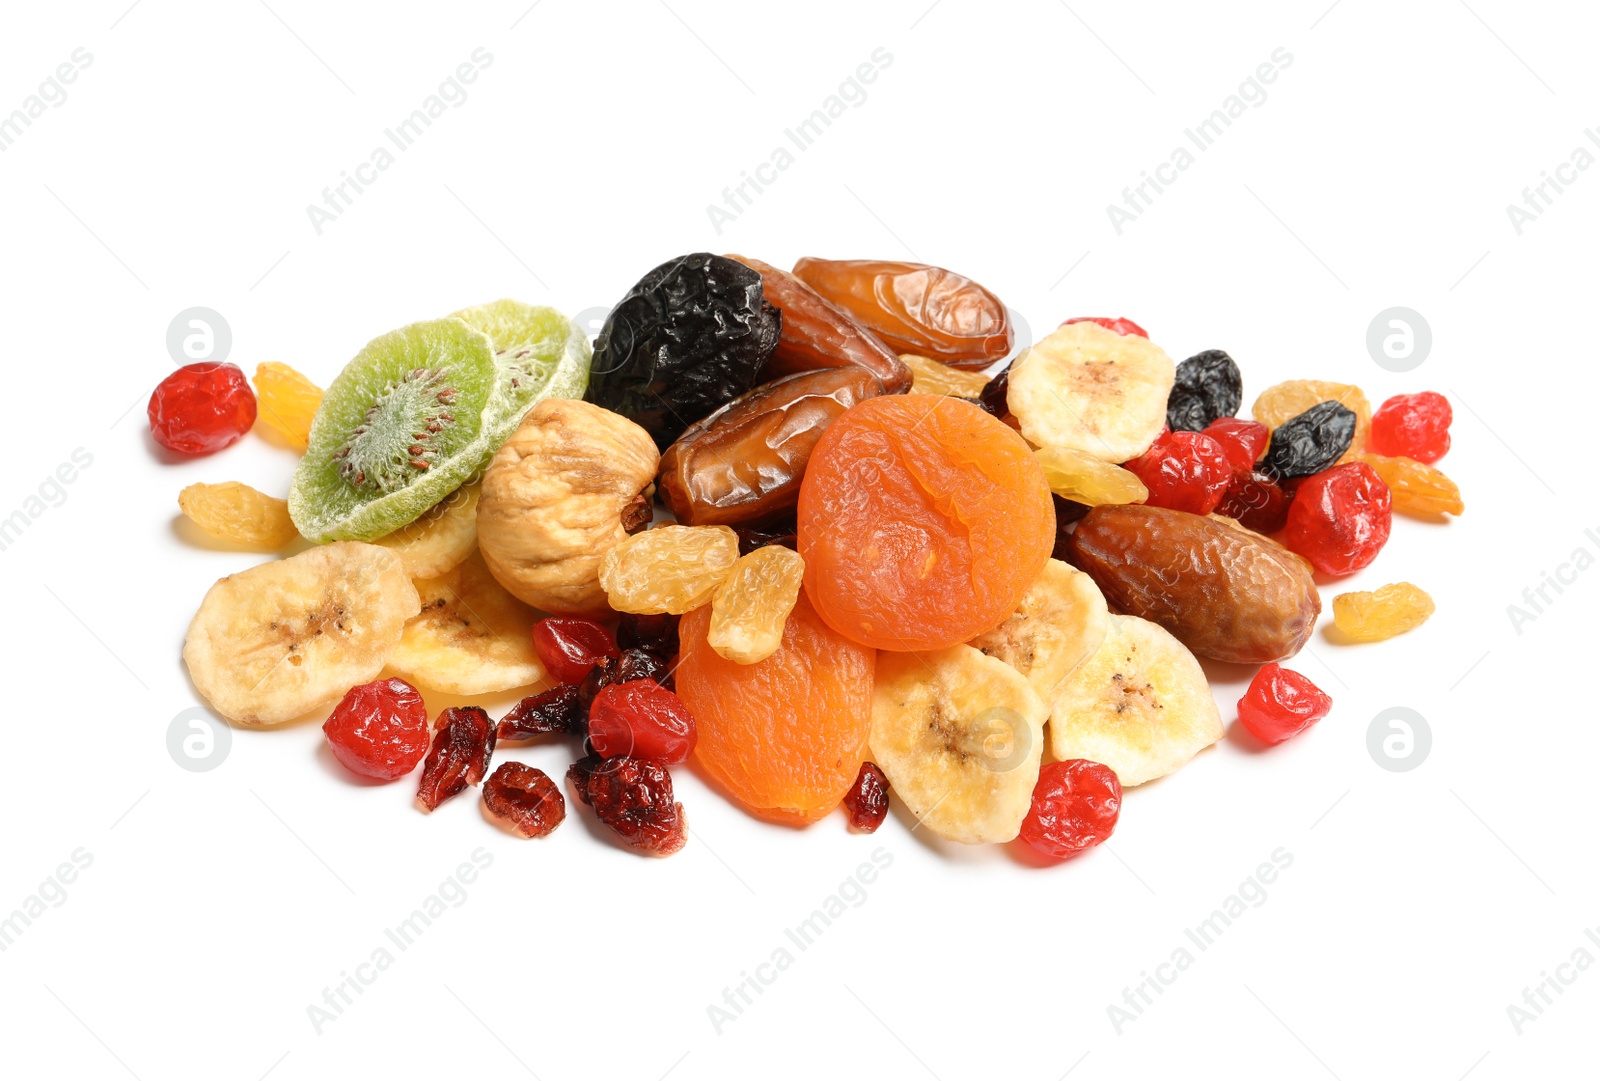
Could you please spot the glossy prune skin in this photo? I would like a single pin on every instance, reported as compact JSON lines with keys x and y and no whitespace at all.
{"x":745,"y":462}
{"x":1206,"y":388}
{"x":693,"y":334}
{"x":916,"y":308}
{"x":1310,"y":442}
{"x":1225,"y":593}
{"x":819,"y":334}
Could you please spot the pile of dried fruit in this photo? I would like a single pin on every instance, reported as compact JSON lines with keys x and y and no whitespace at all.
{"x":885,"y":570}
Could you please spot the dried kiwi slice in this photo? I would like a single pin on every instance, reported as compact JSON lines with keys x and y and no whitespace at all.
{"x":539,"y":353}
{"x":404,"y":425}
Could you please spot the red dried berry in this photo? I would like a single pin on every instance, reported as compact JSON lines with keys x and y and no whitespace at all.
{"x":557,"y":710}
{"x":867,"y":802}
{"x":1340,"y":518}
{"x":633,"y":796}
{"x":631,"y":665}
{"x":462,"y":743}
{"x":1184,"y":471}
{"x":1280,"y":704}
{"x":570,"y":647}
{"x":1243,"y":441}
{"x":1075,"y":807}
{"x":525,"y":798}
{"x":1256,"y":501}
{"x":201,"y":408}
{"x":1415,"y":426}
{"x":641,"y":719}
{"x":379,"y":729}
{"x":1121,"y":326}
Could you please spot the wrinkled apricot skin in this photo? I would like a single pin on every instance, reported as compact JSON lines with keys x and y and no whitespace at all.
{"x":819,"y":334}
{"x":1222,"y":591}
{"x":916,"y":308}
{"x":922,"y":521}
{"x":784,"y":737}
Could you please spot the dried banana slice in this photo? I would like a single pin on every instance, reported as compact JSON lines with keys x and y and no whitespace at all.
{"x":1090,"y":389}
{"x":471,"y":637}
{"x":288,"y":637}
{"x":1060,"y":623}
{"x":442,"y":538}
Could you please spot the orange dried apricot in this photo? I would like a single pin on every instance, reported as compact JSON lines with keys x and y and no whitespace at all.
{"x":784,"y":737}
{"x":922,"y":521}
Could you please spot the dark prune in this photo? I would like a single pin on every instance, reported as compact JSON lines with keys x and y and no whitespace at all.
{"x":744,"y":462}
{"x":751,"y":537}
{"x":633,"y":796}
{"x":867,"y":802}
{"x":1207,"y":386}
{"x":525,"y":799}
{"x":656,"y":633}
{"x":462,"y":745}
{"x":819,"y":334}
{"x":1310,"y":442}
{"x":693,"y":334}
{"x":558,"y":710}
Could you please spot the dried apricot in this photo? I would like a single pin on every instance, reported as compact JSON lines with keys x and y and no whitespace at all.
{"x":1285,"y":401}
{"x":238,"y":513}
{"x":922,"y":521}
{"x":1383,"y":613}
{"x":1415,"y":488}
{"x":785,"y":736}
{"x":671,"y":568}
{"x":286,"y":402}
{"x":749,"y":608}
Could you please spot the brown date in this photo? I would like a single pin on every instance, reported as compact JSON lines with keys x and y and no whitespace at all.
{"x":1223,"y":591}
{"x":817,"y":334}
{"x":916,"y":308}
{"x":745,"y":462}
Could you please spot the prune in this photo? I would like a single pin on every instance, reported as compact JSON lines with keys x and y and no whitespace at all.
{"x":867,"y":802}
{"x":916,"y":308}
{"x":1225,"y":593}
{"x":379,"y":729}
{"x":1415,"y":426}
{"x":1185,"y":471}
{"x":752,"y":537}
{"x":1385,"y":612}
{"x":633,"y":796}
{"x":556,"y":710}
{"x":657,"y":633}
{"x":570,"y":646}
{"x":1340,"y":518}
{"x":1119,"y":325}
{"x":744,"y":462}
{"x":201,"y":408}
{"x":463,"y":742}
{"x":641,"y":718}
{"x":1280,"y":704}
{"x":1075,"y":807}
{"x":819,"y":334}
{"x":525,"y":798}
{"x":1415,"y":488}
{"x":1310,"y":442}
{"x":694,"y":333}
{"x":1255,"y":501}
{"x":1207,"y":387}
{"x":1243,"y":441}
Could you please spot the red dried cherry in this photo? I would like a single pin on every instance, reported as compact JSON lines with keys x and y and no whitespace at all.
{"x":1185,"y":471}
{"x":570,"y":647}
{"x":642,"y":719}
{"x":633,"y":796}
{"x":556,"y":710}
{"x":1243,"y":441}
{"x":379,"y":729}
{"x":1119,"y":325}
{"x":1340,"y":518}
{"x":1075,"y":807}
{"x":462,"y":743}
{"x":1256,"y":501}
{"x":867,"y":802}
{"x":525,"y":799}
{"x":1280,"y":704}
{"x":201,"y":408}
{"x":1415,"y":426}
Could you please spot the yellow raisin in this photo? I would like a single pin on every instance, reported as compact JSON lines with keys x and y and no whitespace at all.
{"x":1385,"y":612}
{"x":1076,"y":476}
{"x":1415,"y":488}
{"x":1284,"y":400}
{"x":751,"y":606}
{"x":238,"y":513}
{"x":932,"y":377}
{"x":672,"y":568}
{"x":286,"y":401}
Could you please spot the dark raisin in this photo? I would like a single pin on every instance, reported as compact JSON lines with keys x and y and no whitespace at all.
{"x":525,"y":798}
{"x":656,"y":633}
{"x":1067,"y":512}
{"x":633,"y":796}
{"x":693,"y":334}
{"x":868,"y":799}
{"x":557,"y":710}
{"x":462,"y":744}
{"x":1208,"y":386}
{"x":993,"y":395}
{"x":752,"y":537}
{"x":1310,"y":442}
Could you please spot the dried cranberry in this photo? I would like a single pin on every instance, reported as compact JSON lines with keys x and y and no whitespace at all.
{"x":570,"y":647}
{"x":868,"y":799}
{"x":1280,"y":704}
{"x":379,"y":729}
{"x":462,"y":743}
{"x":631,"y":665}
{"x":642,"y":719}
{"x":1075,"y":807}
{"x":633,"y":796}
{"x":656,"y":633}
{"x":1121,"y":326}
{"x":557,"y":710}
{"x":201,"y":408}
{"x":1340,"y":518}
{"x":1256,"y":501}
{"x":1184,"y":471}
{"x":1415,"y":426}
{"x":1243,"y":441}
{"x":525,"y":798}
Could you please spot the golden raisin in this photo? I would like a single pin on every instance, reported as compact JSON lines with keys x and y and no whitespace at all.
{"x":1075,"y":475}
{"x":672,"y":568}
{"x":237,"y":512}
{"x":287,"y":402}
{"x":751,"y":606}
{"x":1415,"y":488}
{"x":1282,"y":401}
{"x":933,"y":377}
{"x":1385,"y":612}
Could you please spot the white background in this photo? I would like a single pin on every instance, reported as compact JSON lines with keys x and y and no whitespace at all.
{"x":219,"y":905}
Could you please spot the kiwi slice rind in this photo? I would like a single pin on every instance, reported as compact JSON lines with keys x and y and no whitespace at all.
{"x":539,"y":353}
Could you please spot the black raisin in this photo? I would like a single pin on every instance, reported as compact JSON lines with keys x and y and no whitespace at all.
{"x":1310,"y":442}
{"x":693,"y":334}
{"x":1207,"y":386}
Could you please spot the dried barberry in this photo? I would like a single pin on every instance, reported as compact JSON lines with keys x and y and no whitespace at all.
{"x":463,"y":741}
{"x":1310,"y":442}
{"x":1207,"y":387}
{"x":525,"y":798}
{"x":555,"y":710}
{"x":633,"y":796}
{"x":867,"y":802}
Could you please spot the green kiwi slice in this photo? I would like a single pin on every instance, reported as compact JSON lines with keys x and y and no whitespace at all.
{"x":406,"y":423}
{"x":539,"y":353}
